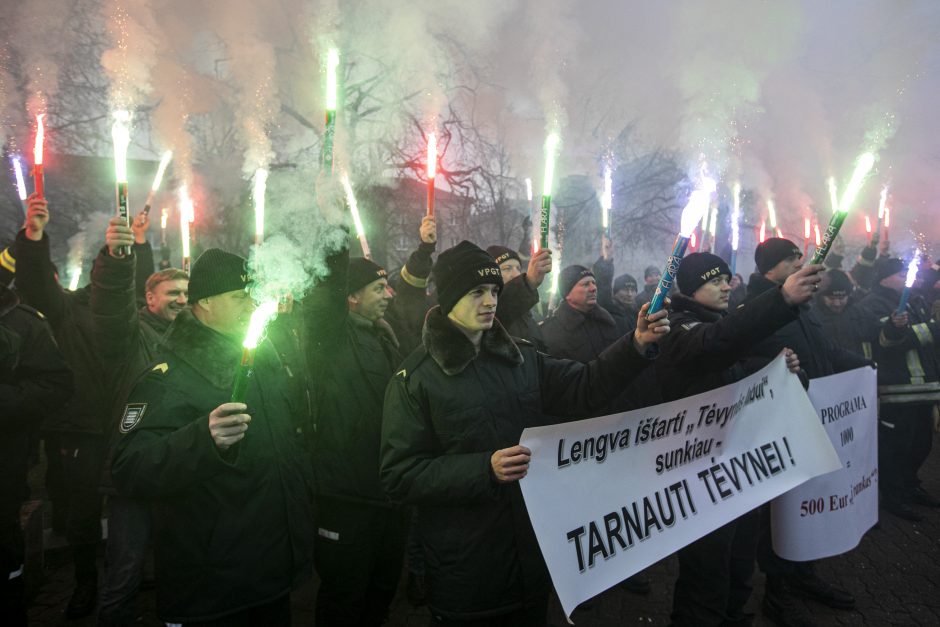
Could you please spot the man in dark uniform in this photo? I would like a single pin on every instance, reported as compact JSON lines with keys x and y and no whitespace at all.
{"x":452,"y":420}
{"x":708,"y":348}
{"x":34,"y":381}
{"x":229,"y":483}
{"x":904,"y":345}
{"x":579,"y":328}
{"x":352,"y":352}
{"x":650,"y":281}
{"x":76,"y":435}
{"x":777,"y":259}
{"x":617,"y":296}
{"x":128,"y":338}
{"x":521,"y":292}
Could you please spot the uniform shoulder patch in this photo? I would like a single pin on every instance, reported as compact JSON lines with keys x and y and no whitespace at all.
{"x":402,"y":373}
{"x":133,"y":412}
{"x":162,"y":368}
{"x":688,"y":326}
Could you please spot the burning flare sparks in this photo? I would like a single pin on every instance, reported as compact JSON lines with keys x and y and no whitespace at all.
{"x":20,"y":181}
{"x":607,"y":199}
{"x":40,"y":139}
{"x":258,"y":193}
{"x":833,"y":194}
{"x":260,"y":318}
{"x":735,"y":215}
{"x":357,"y":220}
{"x":862,"y":167}
{"x":187,"y":211}
{"x":121,"y":136}
{"x":332,"y":63}
{"x":161,"y":170}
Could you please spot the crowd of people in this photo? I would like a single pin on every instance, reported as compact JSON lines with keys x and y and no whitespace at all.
{"x":380,"y":431}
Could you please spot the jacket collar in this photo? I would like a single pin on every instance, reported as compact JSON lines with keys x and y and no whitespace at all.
{"x":380,"y":327}
{"x":210,"y":353}
{"x":453,"y":351}
{"x":155,"y":322}
{"x":570,"y":318}
{"x":681,"y":302}
{"x":758,"y":284}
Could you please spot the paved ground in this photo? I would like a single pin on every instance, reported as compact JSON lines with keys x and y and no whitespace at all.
{"x":894,"y":574}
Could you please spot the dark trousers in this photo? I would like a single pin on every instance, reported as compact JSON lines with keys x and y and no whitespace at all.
{"x":12,"y":602}
{"x":415,"y":548}
{"x":273,"y":614}
{"x":128,"y":540}
{"x":905,"y":437}
{"x":81,"y":456}
{"x":535,"y":616}
{"x":715,"y":571}
{"x":358,"y":553}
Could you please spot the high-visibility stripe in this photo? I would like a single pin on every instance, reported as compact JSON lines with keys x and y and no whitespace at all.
{"x":884,"y":342}
{"x":914,"y":367}
{"x":7,"y":261}
{"x":922,"y":331}
{"x":866,"y":349}
{"x":412,"y":280}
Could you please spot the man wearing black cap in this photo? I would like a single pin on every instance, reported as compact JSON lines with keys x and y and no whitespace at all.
{"x":521,"y":292}
{"x":777,"y":259}
{"x":706,"y":349}
{"x":904,"y":345}
{"x":833,"y":307}
{"x":617,"y":296}
{"x":352,"y":353}
{"x":650,"y":282}
{"x":229,"y":483}
{"x":452,"y":420}
{"x":579,"y":329}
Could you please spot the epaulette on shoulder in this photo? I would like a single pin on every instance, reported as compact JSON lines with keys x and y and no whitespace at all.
{"x":32,"y":311}
{"x":411,"y":363}
{"x":162,"y":367}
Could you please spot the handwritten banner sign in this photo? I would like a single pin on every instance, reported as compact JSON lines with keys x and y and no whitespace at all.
{"x":609,"y":496}
{"x":829,"y":515}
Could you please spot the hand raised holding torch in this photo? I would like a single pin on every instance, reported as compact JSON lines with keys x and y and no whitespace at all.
{"x":118,"y":237}
{"x":540,"y":264}
{"x":140,"y":226}
{"x":428,"y":230}
{"x":37,"y":217}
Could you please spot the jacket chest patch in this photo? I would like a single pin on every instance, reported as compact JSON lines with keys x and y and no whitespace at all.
{"x":133,"y":412}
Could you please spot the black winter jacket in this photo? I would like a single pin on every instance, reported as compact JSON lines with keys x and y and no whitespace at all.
{"x":514,"y":311}
{"x":624,"y":316}
{"x":448,"y":409}
{"x":707,"y":349}
{"x":34,"y":382}
{"x":571,"y":334}
{"x":906,"y":357}
{"x":70,"y":318}
{"x":235,"y":531}
{"x":818,"y":354}
{"x":351,"y":361}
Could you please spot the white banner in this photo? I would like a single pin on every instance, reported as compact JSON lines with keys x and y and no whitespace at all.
{"x":610,"y":496}
{"x":829,"y":515}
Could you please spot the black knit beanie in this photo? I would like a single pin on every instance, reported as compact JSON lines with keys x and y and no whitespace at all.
{"x":460,"y":269}
{"x":570,"y":276}
{"x":773,"y":251}
{"x":502,"y":254}
{"x":698,"y":269}
{"x":836,"y":282}
{"x":217,"y":272}
{"x":886,"y":266}
{"x":623,"y":281}
{"x":363,"y":271}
